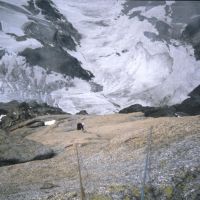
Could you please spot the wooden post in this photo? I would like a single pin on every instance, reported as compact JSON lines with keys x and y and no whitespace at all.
{"x":82,"y":193}
{"x":147,"y":162}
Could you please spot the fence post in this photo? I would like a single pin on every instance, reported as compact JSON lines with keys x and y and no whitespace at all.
{"x":82,"y":193}
{"x":147,"y":160}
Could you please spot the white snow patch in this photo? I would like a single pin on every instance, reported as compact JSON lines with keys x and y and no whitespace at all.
{"x":12,"y":21}
{"x":49,"y":123}
{"x":157,"y":11}
{"x":1,"y":116}
{"x":12,"y":46}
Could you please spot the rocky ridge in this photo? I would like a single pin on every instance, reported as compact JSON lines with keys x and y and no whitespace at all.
{"x":15,"y":148}
{"x":190,"y":106}
{"x":16,"y":112}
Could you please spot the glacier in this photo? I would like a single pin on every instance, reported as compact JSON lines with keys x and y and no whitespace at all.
{"x":134,"y":52}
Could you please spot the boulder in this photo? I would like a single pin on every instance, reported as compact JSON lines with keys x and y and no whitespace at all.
{"x":16,"y":149}
{"x":82,"y":112}
{"x":36,"y":124}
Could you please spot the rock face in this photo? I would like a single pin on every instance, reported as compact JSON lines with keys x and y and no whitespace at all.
{"x":48,"y":46}
{"x":54,"y":32}
{"x":151,"y":111}
{"x":40,"y":60}
{"x":191,"y":35}
{"x":16,"y":149}
{"x":57,"y":60}
{"x":18,"y":112}
{"x":190,"y":106}
{"x":55,"y":35}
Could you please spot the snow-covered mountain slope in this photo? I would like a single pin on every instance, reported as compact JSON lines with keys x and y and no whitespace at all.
{"x":117,"y":53}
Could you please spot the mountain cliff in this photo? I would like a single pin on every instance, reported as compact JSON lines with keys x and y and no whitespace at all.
{"x":100,"y":56}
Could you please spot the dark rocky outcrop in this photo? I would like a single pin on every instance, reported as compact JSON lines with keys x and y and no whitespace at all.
{"x":2,"y":52}
{"x":195,"y":93}
{"x":31,"y":7}
{"x":36,"y":124}
{"x":18,"y":112}
{"x":16,"y":149}
{"x":56,"y":35}
{"x":57,"y":60}
{"x":151,"y":111}
{"x":190,"y":106}
{"x":14,"y":7}
{"x":191,"y":34}
{"x":82,"y":112}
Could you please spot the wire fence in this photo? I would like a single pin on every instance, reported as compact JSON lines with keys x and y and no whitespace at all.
{"x":83,"y":171}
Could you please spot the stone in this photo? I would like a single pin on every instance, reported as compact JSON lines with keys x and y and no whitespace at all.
{"x":36,"y":124}
{"x":82,"y":112}
{"x":48,"y":185}
{"x":15,"y":149}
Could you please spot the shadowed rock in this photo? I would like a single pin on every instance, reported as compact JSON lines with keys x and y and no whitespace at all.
{"x":190,"y":106}
{"x":191,"y":34}
{"x":2,"y":52}
{"x":16,"y":149}
{"x":18,"y":112}
{"x":82,"y":112}
{"x":55,"y":59}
